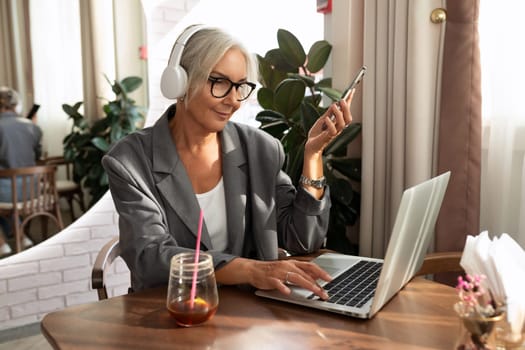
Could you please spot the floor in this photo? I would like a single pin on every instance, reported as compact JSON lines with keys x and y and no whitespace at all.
{"x":29,"y":337}
{"x":24,"y":338}
{"x":35,"y":229}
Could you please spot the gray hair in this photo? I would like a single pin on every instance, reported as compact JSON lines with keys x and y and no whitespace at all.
{"x":202,"y":52}
{"x":8,"y":98}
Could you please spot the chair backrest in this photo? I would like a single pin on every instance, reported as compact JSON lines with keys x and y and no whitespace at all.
{"x":32,"y":188}
{"x":440,"y":262}
{"x":105,"y":257}
{"x":68,"y":189}
{"x":33,"y":193}
{"x":59,"y":161}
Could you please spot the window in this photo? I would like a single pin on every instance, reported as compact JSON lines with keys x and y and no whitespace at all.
{"x":57,"y":65}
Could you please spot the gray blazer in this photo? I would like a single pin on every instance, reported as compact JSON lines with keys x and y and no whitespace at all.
{"x":159,"y":212}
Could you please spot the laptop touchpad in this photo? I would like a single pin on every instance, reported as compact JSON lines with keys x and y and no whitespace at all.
{"x":335,"y":263}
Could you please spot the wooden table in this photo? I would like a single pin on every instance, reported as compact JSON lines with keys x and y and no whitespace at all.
{"x":419,"y":317}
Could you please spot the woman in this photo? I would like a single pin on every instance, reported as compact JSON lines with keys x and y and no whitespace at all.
{"x":194,"y":157}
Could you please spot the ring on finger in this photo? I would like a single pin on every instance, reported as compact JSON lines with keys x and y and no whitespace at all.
{"x":286,"y":278}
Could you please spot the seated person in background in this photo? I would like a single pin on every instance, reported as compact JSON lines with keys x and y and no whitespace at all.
{"x":20,"y":146}
{"x":194,"y":157}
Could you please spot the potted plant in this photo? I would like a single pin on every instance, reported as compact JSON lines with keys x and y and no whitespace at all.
{"x":87,"y":143}
{"x":292,"y":100}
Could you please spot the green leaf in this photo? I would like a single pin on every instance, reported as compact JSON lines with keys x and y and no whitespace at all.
{"x":288,"y":96}
{"x":309,"y":116}
{"x":291,"y":48}
{"x":100,"y":143}
{"x":270,"y":74}
{"x":325,"y":82}
{"x":318,"y":56}
{"x":80,"y":140}
{"x":341,"y":190}
{"x":308,"y":81}
{"x":279,"y":62}
{"x":112,"y":108}
{"x":340,"y":142}
{"x":100,"y":126}
{"x":275,"y":129}
{"x":69,"y":155}
{"x":265,"y":70}
{"x":95,"y":172}
{"x":116,"y":133}
{"x":265,"y":98}
{"x":315,"y":100}
{"x":131,"y":84}
{"x":269,"y":116}
{"x":333,"y":94}
{"x":70,"y":110}
{"x":104,"y":181}
{"x":293,"y":139}
{"x":349,"y":167}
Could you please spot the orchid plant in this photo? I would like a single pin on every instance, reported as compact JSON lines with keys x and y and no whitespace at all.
{"x":475,"y":299}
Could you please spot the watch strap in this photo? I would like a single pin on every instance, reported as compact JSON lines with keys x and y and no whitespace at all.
{"x":316,"y":183}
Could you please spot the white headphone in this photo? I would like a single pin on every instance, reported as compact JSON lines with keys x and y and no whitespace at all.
{"x":174,"y":80}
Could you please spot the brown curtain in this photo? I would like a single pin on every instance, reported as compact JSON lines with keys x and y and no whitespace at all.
{"x":98,"y":54}
{"x":459,"y":147}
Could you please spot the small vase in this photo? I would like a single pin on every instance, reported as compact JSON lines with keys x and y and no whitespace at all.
{"x":478,"y":328}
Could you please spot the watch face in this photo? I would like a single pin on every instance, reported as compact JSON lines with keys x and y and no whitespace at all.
{"x":318,"y":183}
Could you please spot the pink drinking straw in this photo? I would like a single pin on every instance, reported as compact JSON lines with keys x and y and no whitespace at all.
{"x":197,"y":251}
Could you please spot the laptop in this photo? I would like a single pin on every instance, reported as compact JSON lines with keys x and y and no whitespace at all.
{"x":362,"y":286}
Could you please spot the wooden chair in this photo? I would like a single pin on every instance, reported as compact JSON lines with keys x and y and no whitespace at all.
{"x":68,"y":189}
{"x":105,"y":257}
{"x":33,"y":195}
{"x":440,"y":262}
{"x":442,"y":267}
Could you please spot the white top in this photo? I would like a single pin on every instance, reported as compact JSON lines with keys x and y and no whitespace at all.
{"x":213,"y":205}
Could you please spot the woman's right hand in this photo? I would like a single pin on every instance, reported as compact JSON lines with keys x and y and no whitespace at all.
{"x":278,"y":274}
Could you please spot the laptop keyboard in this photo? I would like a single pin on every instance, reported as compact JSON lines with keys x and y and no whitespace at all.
{"x":355,"y":286}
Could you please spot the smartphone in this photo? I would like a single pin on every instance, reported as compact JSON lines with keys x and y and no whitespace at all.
{"x":357,"y":79}
{"x":33,"y":111}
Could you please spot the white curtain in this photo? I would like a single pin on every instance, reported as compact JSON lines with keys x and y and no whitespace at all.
{"x":57,"y":66}
{"x":15,"y":51}
{"x":502,"y":48}
{"x":402,"y":49}
{"x":76,"y":43}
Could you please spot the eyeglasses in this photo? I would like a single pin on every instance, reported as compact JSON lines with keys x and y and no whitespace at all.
{"x":220,"y":87}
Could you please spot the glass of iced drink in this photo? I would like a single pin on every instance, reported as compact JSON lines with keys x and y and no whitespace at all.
{"x":192,"y":291}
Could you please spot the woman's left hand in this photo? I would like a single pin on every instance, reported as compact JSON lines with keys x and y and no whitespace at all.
{"x":336,"y":118}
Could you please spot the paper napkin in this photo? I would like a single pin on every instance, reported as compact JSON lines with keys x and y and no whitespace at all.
{"x":502,"y":261}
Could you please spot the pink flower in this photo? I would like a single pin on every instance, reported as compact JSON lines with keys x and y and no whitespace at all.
{"x":476,"y":299}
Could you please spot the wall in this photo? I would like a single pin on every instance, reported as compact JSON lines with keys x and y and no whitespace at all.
{"x":57,"y":273}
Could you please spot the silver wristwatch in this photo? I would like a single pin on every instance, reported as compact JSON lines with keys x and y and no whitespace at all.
{"x":316,"y":183}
